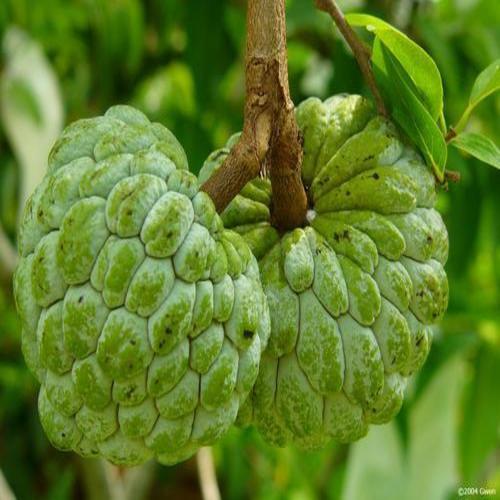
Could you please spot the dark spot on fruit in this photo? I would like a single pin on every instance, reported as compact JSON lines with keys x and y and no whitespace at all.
{"x":80,"y":299}
{"x":248,"y":334}
{"x":63,"y":434}
{"x":419,"y":341}
{"x":348,"y":193}
{"x":346,"y":234}
{"x":369,"y":157}
{"x":133,"y":342}
{"x":429,"y":239}
{"x":129,"y":212}
{"x":169,"y":234}
{"x":168,"y":330}
{"x":376,"y":176}
{"x":161,"y":344}
{"x":336,"y":237}
{"x":130,"y":366}
{"x":393,"y":360}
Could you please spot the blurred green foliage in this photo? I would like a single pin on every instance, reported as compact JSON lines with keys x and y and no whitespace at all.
{"x":182,"y":63}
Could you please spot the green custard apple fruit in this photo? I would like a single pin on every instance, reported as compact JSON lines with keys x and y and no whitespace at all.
{"x":353,"y":294}
{"x":143,"y":318}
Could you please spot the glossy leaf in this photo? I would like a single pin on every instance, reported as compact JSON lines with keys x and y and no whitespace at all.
{"x":479,"y":146}
{"x":487,"y":82}
{"x":421,"y":68}
{"x":407,"y":109}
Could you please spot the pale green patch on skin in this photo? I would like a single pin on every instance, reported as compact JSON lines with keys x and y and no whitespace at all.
{"x":121,"y":450}
{"x":97,"y":425}
{"x":223,"y":299}
{"x":123,"y":349}
{"x":130,"y":201}
{"x":167,"y":224}
{"x":300,"y":407}
{"x":182,"y":399}
{"x":63,"y":191}
{"x":183,"y":182}
{"x":319,"y":346}
{"x":165,"y":371}
{"x":203,"y":310}
{"x":61,"y":430}
{"x":62,"y":393}
{"x":430,"y":289}
{"x":241,"y":326}
{"x":329,"y":284}
{"x":210,"y":426}
{"x":382,"y":189}
{"x":377,"y":145}
{"x":47,"y":280}
{"x":248,"y":368}
{"x":419,"y":239}
{"x":138,"y":420}
{"x":218,"y":383}
{"x":53,"y":353}
{"x":124,"y":258}
{"x":298,"y":262}
{"x":394,"y":283}
{"x":364,"y":369}
{"x":92,"y":383}
{"x":283,"y":305}
{"x":171,"y":322}
{"x":389,"y":402}
{"x":346,"y":240}
{"x":169,"y":435}
{"x":31,"y":230}
{"x":83,"y":233}
{"x":104,"y":176}
{"x":128,"y":139}
{"x":344,"y":421}
{"x":364,"y":295}
{"x":438,"y":231}
{"x":130,"y":392}
{"x":386,"y":236}
{"x":191,"y":258}
{"x":393,"y":337}
{"x":150,"y":286}
{"x":151,"y":162}
{"x":420,"y":344}
{"x":243,"y":210}
{"x":206,"y":347}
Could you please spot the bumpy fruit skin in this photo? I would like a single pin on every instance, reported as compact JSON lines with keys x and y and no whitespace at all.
{"x":143,"y":318}
{"x":353,"y":295}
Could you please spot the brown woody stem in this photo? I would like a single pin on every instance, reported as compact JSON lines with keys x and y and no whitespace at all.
{"x":270,"y":141}
{"x":361,"y":53}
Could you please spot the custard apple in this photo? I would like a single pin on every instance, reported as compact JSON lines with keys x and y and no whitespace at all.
{"x":143,"y":318}
{"x":352,"y":294}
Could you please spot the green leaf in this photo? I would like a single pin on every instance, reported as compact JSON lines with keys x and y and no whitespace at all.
{"x":481,"y":414}
{"x":479,"y":146}
{"x":375,"y":468}
{"x":487,"y":82}
{"x":433,"y":425}
{"x":419,"y":65}
{"x":407,"y":110}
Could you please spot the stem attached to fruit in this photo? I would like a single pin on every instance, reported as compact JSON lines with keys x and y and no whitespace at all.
{"x":207,"y":475}
{"x":270,"y":141}
{"x":361,"y":53}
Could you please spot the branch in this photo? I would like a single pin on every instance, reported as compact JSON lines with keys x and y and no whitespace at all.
{"x":360,"y":52}
{"x":207,"y":475}
{"x":271,"y":139}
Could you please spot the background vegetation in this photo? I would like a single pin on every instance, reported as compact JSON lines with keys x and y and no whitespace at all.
{"x":181,"y":63}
